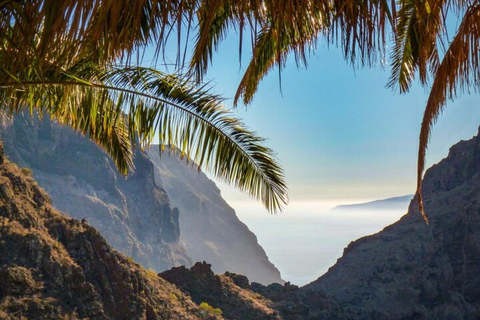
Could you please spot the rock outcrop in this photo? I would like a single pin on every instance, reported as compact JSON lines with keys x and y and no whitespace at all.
{"x":412,"y":270}
{"x":234,"y":299}
{"x":132,"y":213}
{"x":55,"y":267}
{"x":209,"y":227}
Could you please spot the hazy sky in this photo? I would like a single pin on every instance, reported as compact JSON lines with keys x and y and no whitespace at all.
{"x":338,"y":132}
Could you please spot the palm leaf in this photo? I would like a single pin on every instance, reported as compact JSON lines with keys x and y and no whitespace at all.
{"x":419,"y":26}
{"x":459,"y":69}
{"x":182,"y":115}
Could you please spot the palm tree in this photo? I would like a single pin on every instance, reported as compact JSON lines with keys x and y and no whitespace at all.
{"x":423,"y":45}
{"x":46,"y":39}
{"x":361,"y":27}
{"x":60,"y":57}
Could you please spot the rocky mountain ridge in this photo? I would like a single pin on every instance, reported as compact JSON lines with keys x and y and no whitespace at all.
{"x":134,"y":214}
{"x":210,"y":229}
{"x":55,"y":267}
{"x":411,"y":270}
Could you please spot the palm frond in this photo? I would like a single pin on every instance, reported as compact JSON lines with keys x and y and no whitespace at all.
{"x":104,"y":30}
{"x":215,"y":18}
{"x":264,"y":58}
{"x":90,"y":112}
{"x":197,"y":123}
{"x":182,"y":115}
{"x":459,"y":70}
{"x":405,"y":51}
{"x":419,"y":26}
{"x":360,"y":26}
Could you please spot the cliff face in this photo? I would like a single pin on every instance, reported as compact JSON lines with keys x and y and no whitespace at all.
{"x":209,"y":227}
{"x":411,"y":270}
{"x":132,"y":213}
{"x":55,"y":267}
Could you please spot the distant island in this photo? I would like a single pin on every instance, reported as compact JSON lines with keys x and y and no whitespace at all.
{"x":394,"y":203}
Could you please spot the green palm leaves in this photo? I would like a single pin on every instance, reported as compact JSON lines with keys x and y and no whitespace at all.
{"x":281,"y":27}
{"x":117,"y":106}
{"x":58,"y":57}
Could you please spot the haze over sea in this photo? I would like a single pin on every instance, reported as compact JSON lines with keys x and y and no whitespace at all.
{"x":308,"y":238}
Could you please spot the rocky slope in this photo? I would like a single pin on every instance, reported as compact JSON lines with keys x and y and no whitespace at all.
{"x":133,"y":214}
{"x":234,"y":298}
{"x":55,"y":267}
{"x":411,"y":270}
{"x":209,"y":227}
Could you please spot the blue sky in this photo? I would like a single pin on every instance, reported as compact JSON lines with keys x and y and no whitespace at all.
{"x":338,"y":132}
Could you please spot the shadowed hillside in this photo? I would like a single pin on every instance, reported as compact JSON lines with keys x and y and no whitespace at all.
{"x":132,"y":213}
{"x":55,"y":267}
{"x":210,"y":229}
{"x":412,"y":270}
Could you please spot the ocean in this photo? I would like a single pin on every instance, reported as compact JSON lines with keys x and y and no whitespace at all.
{"x":308,"y":238}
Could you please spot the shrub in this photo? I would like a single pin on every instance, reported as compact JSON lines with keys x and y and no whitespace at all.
{"x":27,"y":171}
{"x":207,"y":309}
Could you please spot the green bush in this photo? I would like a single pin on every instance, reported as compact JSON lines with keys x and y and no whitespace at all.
{"x":27,"y":171}
{"x":207,"y":309}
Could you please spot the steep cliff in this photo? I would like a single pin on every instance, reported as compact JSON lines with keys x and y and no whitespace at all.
{"x":209,"y":227}
{"x":133,"y":213}
{"x":55,"y":267}
{"x":412,"y":270}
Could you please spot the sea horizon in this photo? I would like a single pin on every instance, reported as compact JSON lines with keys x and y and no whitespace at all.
{"x":307,"y":238}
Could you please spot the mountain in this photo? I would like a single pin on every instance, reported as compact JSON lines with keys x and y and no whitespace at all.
{"x":55,"y":267}
{"x":225,"y":292}
{"x":411,"y":270}
{"x":209,"y":227}
{"x":133,"y":214}
{"x":395,"y":203}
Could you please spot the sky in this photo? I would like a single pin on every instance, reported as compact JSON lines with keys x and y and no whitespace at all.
{"x":342,"y":137}
{"x":338,"y":132}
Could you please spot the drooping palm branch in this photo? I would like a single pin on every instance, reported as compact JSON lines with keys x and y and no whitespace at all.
{"x":116,"y":106}
{"x":58,"y":57}
{"x":459,"y":70}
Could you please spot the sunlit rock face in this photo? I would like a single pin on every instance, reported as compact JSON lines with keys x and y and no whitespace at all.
{"x":55,"y":267}
{"x":411,"y":270}
{"x":209,"y":227}
{"x":132,"y":213}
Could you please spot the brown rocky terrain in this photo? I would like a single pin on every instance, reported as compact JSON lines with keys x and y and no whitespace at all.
{"x":412,"y":270}
{"x":221,"y":291}
{"x":55,"y":267}
{"x":134,"y":213}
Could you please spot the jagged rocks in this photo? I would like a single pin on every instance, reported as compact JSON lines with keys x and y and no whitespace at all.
{"x":54,"y":267}
{"x":220,"y":291}
{"x":411,"y":270}
{"x":132,"y":213}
